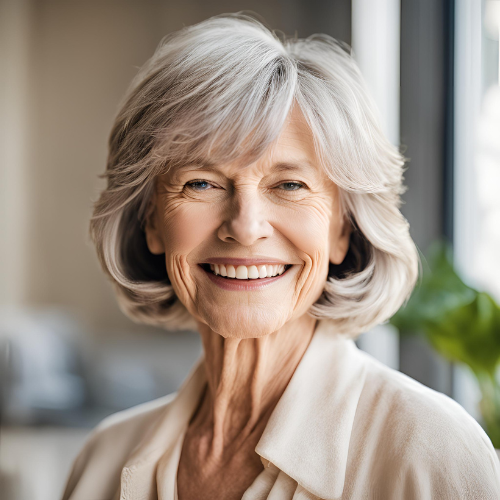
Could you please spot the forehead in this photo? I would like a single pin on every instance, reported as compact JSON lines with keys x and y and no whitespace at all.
{"x":293,"y":151}
{"x":295,"y":140}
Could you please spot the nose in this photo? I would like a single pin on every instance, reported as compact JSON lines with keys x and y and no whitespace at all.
{"x":246,"y":220}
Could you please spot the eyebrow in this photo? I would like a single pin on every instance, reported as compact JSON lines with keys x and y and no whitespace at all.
{"x":285,"y":166}
{"x":190,"y":166}
{"x":197,"y":166}
{"x":280,"y":166}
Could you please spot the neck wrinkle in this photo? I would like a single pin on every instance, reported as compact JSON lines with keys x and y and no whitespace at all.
{"x":246,"y":378}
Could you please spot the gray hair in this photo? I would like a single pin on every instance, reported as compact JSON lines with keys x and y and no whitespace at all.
{"x":220,"y":90}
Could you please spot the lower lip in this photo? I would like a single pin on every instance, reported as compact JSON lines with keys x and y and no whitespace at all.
{"x":235,"y":285}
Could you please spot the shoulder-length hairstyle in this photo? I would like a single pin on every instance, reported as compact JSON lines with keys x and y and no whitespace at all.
{"x":220,"y":90}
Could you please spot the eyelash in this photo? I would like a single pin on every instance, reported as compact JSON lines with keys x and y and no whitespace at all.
{"x":191,"y":184}
{"x":292,"y":183}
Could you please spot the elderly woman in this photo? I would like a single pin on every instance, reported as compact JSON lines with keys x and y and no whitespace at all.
{"x":252,"y":195}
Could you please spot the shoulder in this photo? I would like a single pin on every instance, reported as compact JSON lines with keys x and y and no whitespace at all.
{"x":426,"y":416}
{"x":132,"y":418}
{"x":438,"y":449}
{"x":100,"y":461}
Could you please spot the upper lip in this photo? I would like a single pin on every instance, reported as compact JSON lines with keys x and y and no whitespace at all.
{"x":233,"y":261}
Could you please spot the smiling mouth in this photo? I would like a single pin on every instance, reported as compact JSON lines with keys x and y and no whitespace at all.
{"x":231,"y":272}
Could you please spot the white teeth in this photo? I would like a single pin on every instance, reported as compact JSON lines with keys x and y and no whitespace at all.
{"x":241,"y":273}
{"x":253,"y":272}
{"x":248,"y":272}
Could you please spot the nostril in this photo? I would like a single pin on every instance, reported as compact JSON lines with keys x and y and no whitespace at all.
{"x":245,"y":232}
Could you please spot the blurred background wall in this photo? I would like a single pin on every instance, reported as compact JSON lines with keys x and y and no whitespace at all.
{"x":68,"y":356}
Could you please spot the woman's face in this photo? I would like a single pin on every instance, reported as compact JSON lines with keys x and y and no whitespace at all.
{"x":247,"y":248}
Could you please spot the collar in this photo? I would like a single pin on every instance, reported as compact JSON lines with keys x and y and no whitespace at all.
{"x":307,"y":435}
{"x":309,"y":431}
{"x":138,"y":477}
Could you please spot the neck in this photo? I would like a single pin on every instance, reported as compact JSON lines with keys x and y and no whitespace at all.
{"x":246,"y":378}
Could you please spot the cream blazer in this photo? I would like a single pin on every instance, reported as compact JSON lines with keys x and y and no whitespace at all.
{"x":346,"y":427}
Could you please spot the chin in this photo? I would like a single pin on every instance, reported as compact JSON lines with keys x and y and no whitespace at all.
{"x":245,"y":322}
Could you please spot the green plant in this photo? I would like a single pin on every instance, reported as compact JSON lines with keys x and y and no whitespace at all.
{"x":462,"y":324}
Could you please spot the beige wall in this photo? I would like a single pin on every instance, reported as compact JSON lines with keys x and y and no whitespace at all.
{"x":14,"y":143}
{"x":83,"y":57}
{"x":77,"y":59}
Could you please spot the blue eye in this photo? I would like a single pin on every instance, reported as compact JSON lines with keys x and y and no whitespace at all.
{"x":291,"y":186}
{"x":199,"y":185}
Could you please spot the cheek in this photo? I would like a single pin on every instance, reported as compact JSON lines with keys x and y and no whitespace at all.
{"x":186,"y":227}
{"x":309,"y":232}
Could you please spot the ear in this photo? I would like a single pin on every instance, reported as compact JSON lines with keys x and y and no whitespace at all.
{"x":153,"y":233}
{"x":340,"y":242}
